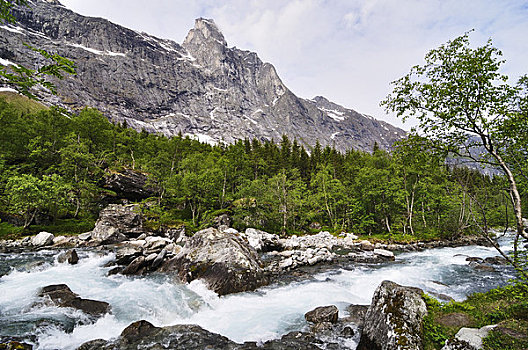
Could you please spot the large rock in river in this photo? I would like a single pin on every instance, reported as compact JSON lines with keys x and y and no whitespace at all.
{"x":62,"y":296}
{"x":117,"y":223}
{"x":225,"y":261}
{"x":394,"y":319}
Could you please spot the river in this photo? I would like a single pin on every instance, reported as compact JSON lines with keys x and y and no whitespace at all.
{"x":264,"y":314}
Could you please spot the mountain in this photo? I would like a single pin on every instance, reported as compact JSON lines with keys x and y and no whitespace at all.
{"x":201,"y":88}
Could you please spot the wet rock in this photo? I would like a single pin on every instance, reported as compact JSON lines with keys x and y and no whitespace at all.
{"x":127,"y":253}
{"x":159,"y":259}
{"x":117,"y":223}
{"x":482,"y":267}
{"x":348,"y":332}
{"x":385,"y":254}
{"x":496,"y":260}
{"x":62,"y":296}
{"x":69,"y":256}
{"x":356,"y":314}
{"x":143,"y":335}
{"x":394,"y":318}
{"x":129,"y":184}
{"x":135,"y":267}
{"x":226,"y":262}
{"x":325,"y":328}
{"x":474,"y":259}
{"x":42,"y":239}
{"x":468,"y":339}
{"x":322,"y":314}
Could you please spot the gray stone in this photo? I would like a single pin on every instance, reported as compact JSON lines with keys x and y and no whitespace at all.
{"x":69,"y":256}
{"x":394,"y":319}
{"x":322,"y":314}
{"x":227,"y":263}
{"x":117,"y":223}
{"x":262,"y":241}
{"x":386,"y":254}
{"x":62,"y":296}
{"x":42,"y":239}
{"x":468,"y":339}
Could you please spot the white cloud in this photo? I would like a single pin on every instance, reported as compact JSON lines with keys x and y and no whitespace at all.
{"x":347,"y":51}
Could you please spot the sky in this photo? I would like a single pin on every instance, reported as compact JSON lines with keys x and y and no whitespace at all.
{"x":348,"y":51}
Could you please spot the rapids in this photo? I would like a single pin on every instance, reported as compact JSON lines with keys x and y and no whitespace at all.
{"x":264,"y":314}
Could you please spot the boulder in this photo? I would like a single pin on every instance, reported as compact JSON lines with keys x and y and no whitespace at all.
{"x":69,"y":256}
{"x":468,"y":339}
{"x":143,"y":335}
{"x":226,"y":262}
{"x":42,"y":239}
{"x":322,"y":314}
{"x":366,"y":245}
{"x":129,"y":184}
{"x":62,"y":296}
{"x":496,"y":260}
{"x":136,"y":267}
{"x":394,"y":318}
{"x":117,"y":223}
{"x":385,"y":254}
{"x":262,"y":241}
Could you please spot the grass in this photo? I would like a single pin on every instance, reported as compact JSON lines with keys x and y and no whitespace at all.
{"x":21,"y":102}
{"x":506,"y":307}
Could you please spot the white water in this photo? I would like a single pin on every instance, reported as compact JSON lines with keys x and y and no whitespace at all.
{"x":257,"y":316}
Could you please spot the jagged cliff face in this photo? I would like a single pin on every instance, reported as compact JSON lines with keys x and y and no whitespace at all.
{"x":201,"y":87}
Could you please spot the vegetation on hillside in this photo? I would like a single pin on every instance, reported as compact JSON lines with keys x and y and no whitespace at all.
{"x":52,"y":166}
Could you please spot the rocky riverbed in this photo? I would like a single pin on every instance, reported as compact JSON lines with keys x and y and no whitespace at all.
{"x":227,"y":261}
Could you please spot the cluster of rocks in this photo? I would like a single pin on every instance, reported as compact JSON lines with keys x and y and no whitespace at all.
{"x":487,"y":264}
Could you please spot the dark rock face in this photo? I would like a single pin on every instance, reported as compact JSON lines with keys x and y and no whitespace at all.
{"x":129,"y":184}
{"x":394,"y":319}
{"x":357,"y":314}
{"x":62,"y":296}
{"x":118,"y":222}
{"x":202,"y":88}
{"x":223,"y":260}
{"x":322,"y":314}
{"x":69,"y":256}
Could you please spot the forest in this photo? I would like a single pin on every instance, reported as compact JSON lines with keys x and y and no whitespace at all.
{"x":53,"y":164}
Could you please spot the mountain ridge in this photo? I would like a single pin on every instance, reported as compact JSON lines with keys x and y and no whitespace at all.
{"x":201,"y":88}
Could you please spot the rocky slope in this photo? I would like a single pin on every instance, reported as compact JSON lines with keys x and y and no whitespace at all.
{"x":202,"y":87}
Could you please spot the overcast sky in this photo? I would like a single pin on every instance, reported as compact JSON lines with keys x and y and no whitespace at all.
{"x":346,"y":50}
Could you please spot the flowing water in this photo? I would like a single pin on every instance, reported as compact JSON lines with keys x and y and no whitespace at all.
{"x":256,"y":316}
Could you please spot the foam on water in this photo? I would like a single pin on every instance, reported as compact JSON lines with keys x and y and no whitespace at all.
{"x":254,"y":316}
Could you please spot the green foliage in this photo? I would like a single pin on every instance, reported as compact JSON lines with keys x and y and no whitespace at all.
{"x":52,"y":166}
{"x":506,"y":306}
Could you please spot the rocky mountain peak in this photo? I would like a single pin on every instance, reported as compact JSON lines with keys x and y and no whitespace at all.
{"x":204,"y":31}
{"x":53,"y":2}
{"x":206,"y":43}
{"x":203,"y":88}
